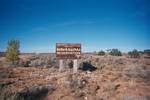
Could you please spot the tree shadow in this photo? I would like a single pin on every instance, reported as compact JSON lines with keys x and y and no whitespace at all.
{"x":86,"y":66}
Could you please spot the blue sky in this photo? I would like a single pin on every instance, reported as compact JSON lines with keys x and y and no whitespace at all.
{"x":96,"y":24}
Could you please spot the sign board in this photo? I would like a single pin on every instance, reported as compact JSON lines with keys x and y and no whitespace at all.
{"x":68,"y":51}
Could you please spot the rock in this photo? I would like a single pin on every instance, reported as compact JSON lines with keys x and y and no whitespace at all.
{"x":88,"y":72}
{"x":87,"y":66}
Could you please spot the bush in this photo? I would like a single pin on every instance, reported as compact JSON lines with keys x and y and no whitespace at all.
{"x":147,"y":52}
{"x":132,"y":97}
{"x":134,"y":54}
{"x":70,"y":64}
{"x":26,"y":63}
{"x":12,"y":52}
{"x":41,"y":61}
{"x":115,"y":52}
{"x":101,"y":53}
{"x":141,"y":52}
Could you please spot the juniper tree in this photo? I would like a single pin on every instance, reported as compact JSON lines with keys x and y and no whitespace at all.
{"x":12,"y":52}
{"x":115,"y":52}
{"x":134,"y":54}
{"x":101,"y":53}
{"x":147,"y":52}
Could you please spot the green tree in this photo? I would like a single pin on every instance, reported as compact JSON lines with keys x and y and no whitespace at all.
{"x":101,"y":53}
{"x":115,"y":52}
{"x":12,"y":52}
{"x":134,"y":54}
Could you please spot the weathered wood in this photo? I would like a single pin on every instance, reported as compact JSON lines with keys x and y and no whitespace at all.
{"x":61,"y":65}
{"x":68,"y":51}
{"x":75,"y":66}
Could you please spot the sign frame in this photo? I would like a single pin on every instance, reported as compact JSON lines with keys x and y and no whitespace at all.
{"x":68,"y":50}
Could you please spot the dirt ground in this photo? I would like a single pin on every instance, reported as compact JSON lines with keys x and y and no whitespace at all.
{"x":114,"y":78}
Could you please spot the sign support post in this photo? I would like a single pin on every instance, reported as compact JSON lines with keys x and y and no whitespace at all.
{"x":75,"y":66}
{"x":61,"y":65}
{"x":68,"y":51}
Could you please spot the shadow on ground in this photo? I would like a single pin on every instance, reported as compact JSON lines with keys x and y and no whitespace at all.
{"x":86,"y":66}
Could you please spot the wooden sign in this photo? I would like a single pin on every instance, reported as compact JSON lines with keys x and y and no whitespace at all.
{"x":68,"y":51}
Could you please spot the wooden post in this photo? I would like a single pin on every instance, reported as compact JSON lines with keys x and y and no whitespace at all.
{"x":61,"y":65}
{"x":75,"y":65}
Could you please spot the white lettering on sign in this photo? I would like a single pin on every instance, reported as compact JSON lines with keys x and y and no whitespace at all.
{"x":68,"y":50}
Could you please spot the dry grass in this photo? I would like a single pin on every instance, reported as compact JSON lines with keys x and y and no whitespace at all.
{"x":114,"y":79}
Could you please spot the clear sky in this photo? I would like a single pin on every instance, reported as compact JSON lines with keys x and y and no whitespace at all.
{"x":96,"y":24}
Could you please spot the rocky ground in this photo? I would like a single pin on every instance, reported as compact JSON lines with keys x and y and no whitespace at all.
{"x":98,"y":78}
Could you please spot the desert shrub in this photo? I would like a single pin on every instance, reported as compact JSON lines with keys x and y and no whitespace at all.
{"x":26,"y":63}
{"x":147,"y":52}
{"x":120,"y":61}
{"x":70,"y":64}
{"x":77,"y":82}
{"x":101,"y":53}
{"x":38,"y":62}
{"x":23,"y":63}
{"x":134,"y":54}
{"x":35,"y":92}
{"x":115,"y":52}
{"x":141,"y":52}
{"x":41,"y":61}
{"x":30,"y":93}
{"x":132,"y":97}
{"x":12,"y":52}
{"x":34,"y":63}
{"x":8,"y":96}
{"x":111,"y":88}
{"x":138,"y":72}
{"x":4,"y":74}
